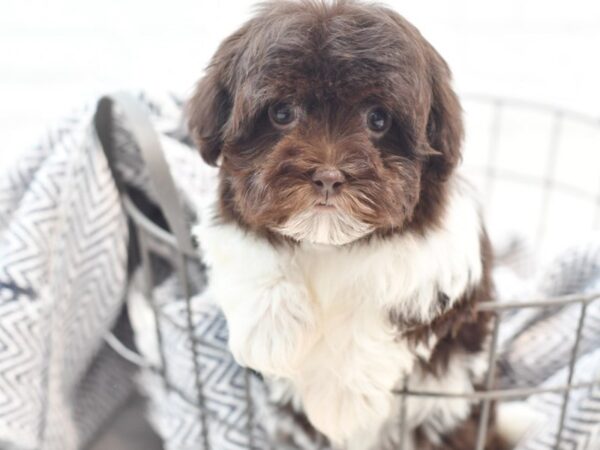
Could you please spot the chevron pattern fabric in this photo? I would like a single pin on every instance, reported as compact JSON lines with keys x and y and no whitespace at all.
{"x":63,"y":239}
{"x":582,"y":425}
{"x":539,"y":346}
{"x":224,"y":383}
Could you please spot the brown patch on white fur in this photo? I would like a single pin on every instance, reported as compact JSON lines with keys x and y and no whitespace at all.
{"x":460,"y":329}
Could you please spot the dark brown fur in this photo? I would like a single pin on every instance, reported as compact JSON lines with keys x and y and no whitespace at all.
{"x":461,"y":328}
{"x":465,"y":436}
{"x":333,"y":61}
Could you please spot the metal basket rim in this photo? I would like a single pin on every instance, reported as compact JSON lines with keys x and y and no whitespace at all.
{"x":157,"y":238}
{"x":531,"y":104}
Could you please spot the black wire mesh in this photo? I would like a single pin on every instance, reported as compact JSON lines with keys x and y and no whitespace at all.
{"x":153,"y":240}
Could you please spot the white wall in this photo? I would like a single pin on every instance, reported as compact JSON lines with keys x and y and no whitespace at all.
{"x":56,"y":54}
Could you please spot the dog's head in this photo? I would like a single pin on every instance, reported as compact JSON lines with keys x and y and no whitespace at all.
{"x":330,"y":121}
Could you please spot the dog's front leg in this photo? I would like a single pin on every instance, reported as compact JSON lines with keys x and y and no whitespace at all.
{"x":270,"y":315}
{"x":271,"y":326}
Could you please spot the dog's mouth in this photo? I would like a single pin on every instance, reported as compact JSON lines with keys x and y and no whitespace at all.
{"x":325,"y":206}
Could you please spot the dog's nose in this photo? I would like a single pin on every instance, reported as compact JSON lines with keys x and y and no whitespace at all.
{"x":328,"y":181}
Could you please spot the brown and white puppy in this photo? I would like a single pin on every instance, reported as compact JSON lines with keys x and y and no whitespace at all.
{"x":343,"y":249}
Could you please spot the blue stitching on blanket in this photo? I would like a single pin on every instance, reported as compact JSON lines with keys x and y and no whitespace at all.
{"x":17,"y":290}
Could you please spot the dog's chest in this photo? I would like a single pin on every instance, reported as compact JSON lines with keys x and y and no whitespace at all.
{"x":360,"y":351}
{"x":320,"y":318}
{"x":356,"y":290}
{"x":351,"y":291}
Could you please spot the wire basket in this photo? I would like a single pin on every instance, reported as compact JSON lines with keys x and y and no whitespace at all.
{"x":544,"y":191}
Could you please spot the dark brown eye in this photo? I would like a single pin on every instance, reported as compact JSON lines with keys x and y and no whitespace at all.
{"x":282,"y":114}
{"x":378,"y":119}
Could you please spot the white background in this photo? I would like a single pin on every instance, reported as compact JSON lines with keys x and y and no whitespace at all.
{"x":58,"y":54}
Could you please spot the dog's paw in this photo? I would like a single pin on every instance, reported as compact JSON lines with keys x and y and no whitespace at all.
{"x":272,"y":329}
{"x":346,"y":415}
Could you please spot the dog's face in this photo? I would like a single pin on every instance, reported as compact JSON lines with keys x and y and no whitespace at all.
{"x":329,"y":122}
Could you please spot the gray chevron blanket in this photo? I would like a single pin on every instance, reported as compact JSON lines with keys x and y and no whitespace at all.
{"x":63,"y":253}
{"x":66,"y":271}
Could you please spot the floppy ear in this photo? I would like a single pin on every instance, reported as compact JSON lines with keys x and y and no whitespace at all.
{"x":444,"y":130}
{"x":208,"y":112}
{"x":444,"y":124}
{"x":210,"y":107}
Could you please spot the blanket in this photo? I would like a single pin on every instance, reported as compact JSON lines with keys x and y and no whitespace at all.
{"x":63,"y":254}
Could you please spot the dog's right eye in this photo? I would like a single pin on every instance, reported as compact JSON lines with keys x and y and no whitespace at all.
{"x":378,"y":120}
{"x":282,"y":114}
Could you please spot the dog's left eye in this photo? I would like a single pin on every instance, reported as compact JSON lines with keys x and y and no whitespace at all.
{"x":378,"y":119}
{"x":282,"y":114}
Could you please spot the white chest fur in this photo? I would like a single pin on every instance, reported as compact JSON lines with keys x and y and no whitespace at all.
{"x":318,"y":316}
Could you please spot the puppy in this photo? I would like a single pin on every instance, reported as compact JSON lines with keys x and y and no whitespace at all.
{"x":345,"y":252}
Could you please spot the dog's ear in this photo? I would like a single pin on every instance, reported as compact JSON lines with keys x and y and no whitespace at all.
{"x":208,"y":112}
{"x":444,"y":127}
{"x":444,"y":124}
{"x":210,"y":108}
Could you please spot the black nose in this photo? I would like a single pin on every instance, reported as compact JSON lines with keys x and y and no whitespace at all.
{"x":328,"y":181}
